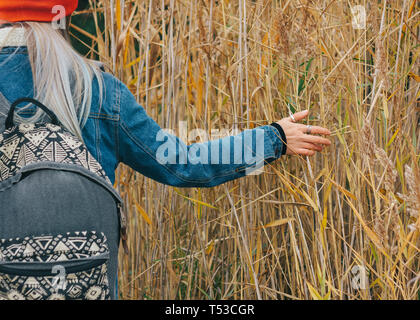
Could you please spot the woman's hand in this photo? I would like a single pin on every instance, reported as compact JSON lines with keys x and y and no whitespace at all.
{"x":301,"y":139}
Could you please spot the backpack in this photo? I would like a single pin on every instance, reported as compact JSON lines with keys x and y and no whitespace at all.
{"x":61,"y":220}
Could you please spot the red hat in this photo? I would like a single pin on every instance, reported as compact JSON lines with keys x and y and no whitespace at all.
{"x":36,"y":10}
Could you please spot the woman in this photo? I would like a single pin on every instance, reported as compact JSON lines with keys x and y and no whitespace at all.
{"x":37,"y":61}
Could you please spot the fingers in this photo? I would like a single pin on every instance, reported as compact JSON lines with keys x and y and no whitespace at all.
{"x":314,"y":129}
{"x":299,"y":115}
{"x":316,"y":139}
{"x":304,"y":152}
{"x":311,"y":146}
{"x":305,"y":148}
{"x":320,"y":130}
{"x":302,"y":141}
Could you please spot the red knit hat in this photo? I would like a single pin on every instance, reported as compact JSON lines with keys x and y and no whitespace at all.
{"x":36,"y":10}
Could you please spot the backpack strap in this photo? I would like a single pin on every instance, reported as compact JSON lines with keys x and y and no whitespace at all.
{"x":4,"y":109}
{"x":7,"y":111}
{"x":9,"y":120}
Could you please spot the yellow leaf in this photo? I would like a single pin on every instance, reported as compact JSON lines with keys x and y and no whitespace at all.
{"x":144,"y":214}
{"x":410,"y":11}
{"x":315,"y":295}
{"x":370,"y":233}
{"x":199,"y":207}
{"x":210,"y":247}
{"x":277,"y":223}
{"x":200,"y":89}
{"x":392,"y":138}
{"x":324,"y":217}
{"x":132,"y":63}
{"x":194,"y":200}
{"x":385,"y":104}
{"x":346,"y":192}
{"x":414,"y":76}
{"x":321,"y":173}
{"x":258,"y":255}
{"x":311,"y":202}
{"x":118,"y":14}
{"x":327,"y":296}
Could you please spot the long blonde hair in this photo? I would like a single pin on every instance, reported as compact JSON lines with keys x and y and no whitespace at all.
{"x":62,"y":78}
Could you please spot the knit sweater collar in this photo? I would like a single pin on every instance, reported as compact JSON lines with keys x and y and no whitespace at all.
{"x":12,"y":36}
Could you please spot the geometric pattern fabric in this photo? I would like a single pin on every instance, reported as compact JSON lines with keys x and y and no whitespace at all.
{"x":30,"y":143}
{"x":87,"y":281}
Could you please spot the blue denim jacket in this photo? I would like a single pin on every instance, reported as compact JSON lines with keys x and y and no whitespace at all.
{"x":119,"y":130}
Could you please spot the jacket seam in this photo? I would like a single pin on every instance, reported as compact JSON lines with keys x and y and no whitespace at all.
{"x":96,"y":115}
{"x":116,"y":127}
{"x":98,"y":141}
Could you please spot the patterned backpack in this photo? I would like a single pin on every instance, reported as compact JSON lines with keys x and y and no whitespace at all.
{"x":60,"y":217}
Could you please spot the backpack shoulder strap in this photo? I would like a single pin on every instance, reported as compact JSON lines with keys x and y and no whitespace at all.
{"x":4,"y":110}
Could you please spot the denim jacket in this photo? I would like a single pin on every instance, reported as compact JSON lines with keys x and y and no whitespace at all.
{"x":119,"y":130}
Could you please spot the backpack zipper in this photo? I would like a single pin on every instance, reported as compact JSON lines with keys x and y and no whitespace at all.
{"x":42,"y":269}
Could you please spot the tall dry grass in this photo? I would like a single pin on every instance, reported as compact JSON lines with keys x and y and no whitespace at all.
{"x":305,"y":228}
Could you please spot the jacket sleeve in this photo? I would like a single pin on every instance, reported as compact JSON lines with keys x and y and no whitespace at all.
{"x":164,"y":157}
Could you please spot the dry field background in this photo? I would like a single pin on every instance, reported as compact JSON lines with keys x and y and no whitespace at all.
{"x":308,"y":228}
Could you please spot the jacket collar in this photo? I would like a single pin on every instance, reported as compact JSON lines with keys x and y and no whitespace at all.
{"x":12,"y":37}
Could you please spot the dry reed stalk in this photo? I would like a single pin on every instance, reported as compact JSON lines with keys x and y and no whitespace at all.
{"x":221,"y":64}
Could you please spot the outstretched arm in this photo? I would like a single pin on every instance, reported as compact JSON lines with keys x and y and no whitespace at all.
{"x":157,"y":154}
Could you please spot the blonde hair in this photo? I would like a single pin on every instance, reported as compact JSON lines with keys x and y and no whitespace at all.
{"x":62,"y":78}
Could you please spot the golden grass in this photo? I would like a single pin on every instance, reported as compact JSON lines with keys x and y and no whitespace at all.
{"x":298,"y":230}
